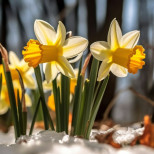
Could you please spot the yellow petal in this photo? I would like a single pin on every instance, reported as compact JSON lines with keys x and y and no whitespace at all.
{"x":44,"y":32}
{"x":29,"y":81}
{"x":129,"y":40}
{"x":14,"y":60}
{"x":100,"y":50}
{"x":74,"y":46}
{"x":114,"y":34}
{"x":51,"y":102}
{"x":61,"y":34}
{"x":103,"y":70}
{"x":118,"y":70}
{"x":50,"y":71}
{"x":3,"y":106}
{"x":64,"y":67}
{"x":28,"y":100}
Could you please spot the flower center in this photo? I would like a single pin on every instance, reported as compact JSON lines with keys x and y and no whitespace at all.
{"x":36,"y":53}
{"x":129,"y":58}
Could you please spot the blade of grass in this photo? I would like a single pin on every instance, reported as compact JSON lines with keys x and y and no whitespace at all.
{"x":35,"y":115}
{"x":40,"y":87}
{"x":96,"y":106}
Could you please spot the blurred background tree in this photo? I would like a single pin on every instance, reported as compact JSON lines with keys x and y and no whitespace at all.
{"x":91,"y":19}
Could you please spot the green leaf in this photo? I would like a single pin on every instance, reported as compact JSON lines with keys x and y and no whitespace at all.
{"x":89,"y":95}
{"x":56,"y":92}
{"x":35,"y":115}
{"x":24,"y":116}
{"x":20,"y":113}
{"x":77,"y":104}
{"x":96,"y":106}
{"x":43,"y":103}
{"x":82,"y":109}
{"x":65,"y":96}
{"x":12,"y":101}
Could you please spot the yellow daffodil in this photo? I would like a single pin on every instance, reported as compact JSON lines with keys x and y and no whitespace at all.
{"x":25,"y":71}
{"x":53,"y":49}
{"x":119,"y":54}
{"x":26,"y":74}
{"x":4,"y":98}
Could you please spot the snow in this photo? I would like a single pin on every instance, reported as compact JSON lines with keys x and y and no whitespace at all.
{"x":50,"y":142}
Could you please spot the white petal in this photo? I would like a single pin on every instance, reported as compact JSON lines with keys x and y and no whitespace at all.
{"x":29,"y":81}
{"x":114,"y":34}
{"x":64,"y":67}
{"x":100,"y":50}
{"x":14,"y":60}
{"x":61,"y":34}
{"x":30,"y":71}
{"x":130,"y":39}
{"x":118,"y":70}
{"x":76,"y":58}
{"x":103,"y":70}
{"x":50,"y":71}
{"x":25,"y":68}
{"x":47,"y":86}
{"x":74,"y":46}
{"x":44,"y":32}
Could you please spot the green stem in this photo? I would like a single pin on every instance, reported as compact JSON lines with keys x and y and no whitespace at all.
{"x":40,"y":87}
{"x":82,"y":109}
{"x":56,"y":92}
{"x":65,"y":95}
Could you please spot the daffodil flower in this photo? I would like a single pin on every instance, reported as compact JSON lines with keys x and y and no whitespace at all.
{"x":25,"y":71}
{"x":4,"y":98}
{"x":119,"y":54}
{"x":53,"y":49}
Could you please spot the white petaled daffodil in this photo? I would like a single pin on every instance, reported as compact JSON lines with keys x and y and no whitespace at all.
{"x":53,"y":49}
{"x":25,"y":71}
{"x":119,"y":54}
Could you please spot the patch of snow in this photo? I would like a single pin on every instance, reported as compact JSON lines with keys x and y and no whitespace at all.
{"x":126,"y":135}
{"x":50,"y":142}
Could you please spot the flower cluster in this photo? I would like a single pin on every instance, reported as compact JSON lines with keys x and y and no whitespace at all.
{"x":71,"y":95}
{"x":119,"y":54}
